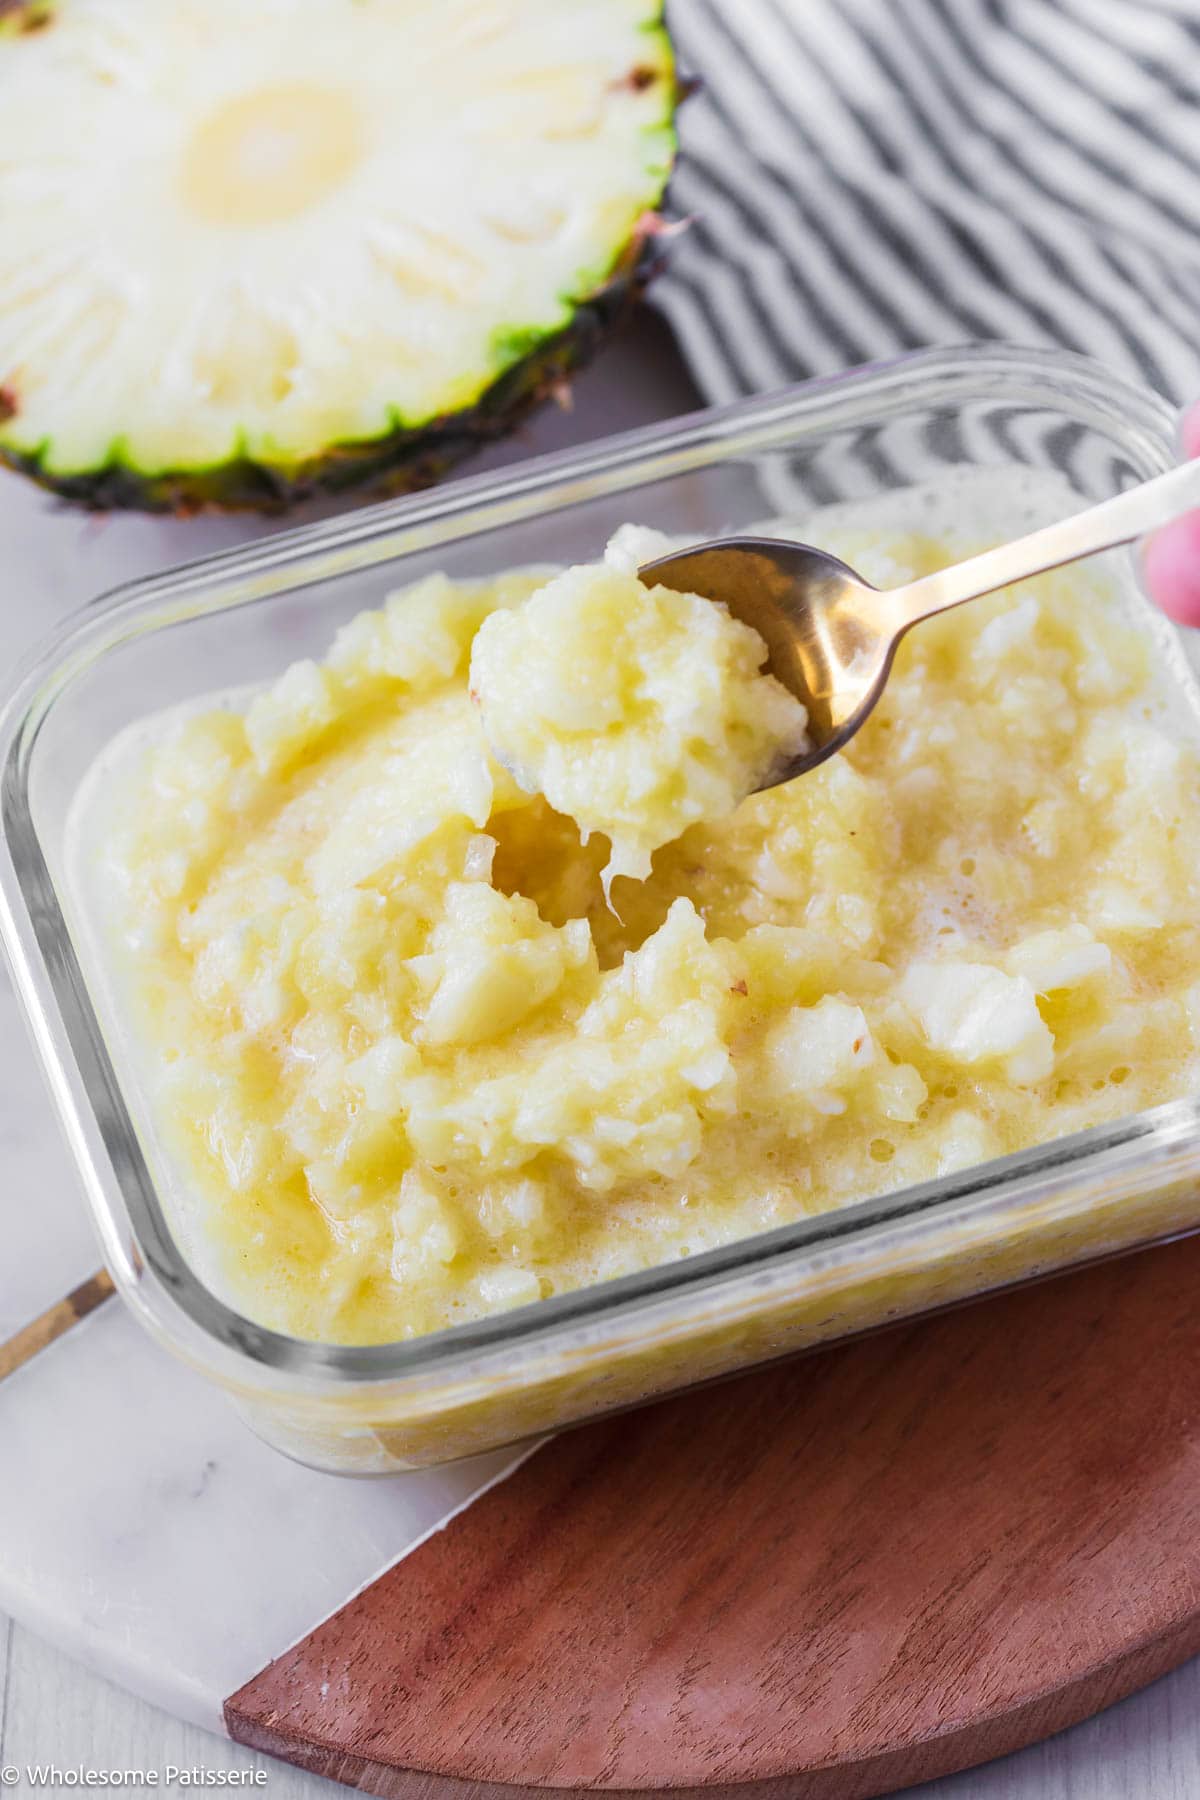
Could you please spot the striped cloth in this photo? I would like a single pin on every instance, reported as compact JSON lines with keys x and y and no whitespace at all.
{"x":868,"y":176}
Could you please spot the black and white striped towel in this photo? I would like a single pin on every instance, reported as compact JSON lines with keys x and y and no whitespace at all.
{"x":868,"y":176}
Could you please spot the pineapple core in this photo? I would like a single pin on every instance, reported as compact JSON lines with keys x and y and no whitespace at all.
{"x":271,"y":155}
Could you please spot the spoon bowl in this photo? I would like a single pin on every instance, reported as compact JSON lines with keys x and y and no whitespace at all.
{"x":818,"y":619}
{"x":831,"y":637}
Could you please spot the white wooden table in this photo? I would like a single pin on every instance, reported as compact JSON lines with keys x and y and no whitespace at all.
{"x":53,"y":1712}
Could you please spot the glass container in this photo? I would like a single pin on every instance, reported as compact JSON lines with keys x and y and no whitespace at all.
{"x":237,"y":618}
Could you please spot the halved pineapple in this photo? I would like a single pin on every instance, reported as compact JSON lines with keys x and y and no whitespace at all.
{"x":250,"y":252}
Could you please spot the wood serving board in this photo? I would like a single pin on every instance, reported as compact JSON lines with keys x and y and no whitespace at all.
{"x":846,"y":1574}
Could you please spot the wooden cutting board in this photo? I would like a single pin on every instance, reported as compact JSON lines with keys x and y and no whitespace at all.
{"x":843,"y":1575}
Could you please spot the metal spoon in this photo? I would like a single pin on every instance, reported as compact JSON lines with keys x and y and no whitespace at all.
{"x":832,"y":637}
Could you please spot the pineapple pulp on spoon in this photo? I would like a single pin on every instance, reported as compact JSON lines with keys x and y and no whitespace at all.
{"x":636,"y":711}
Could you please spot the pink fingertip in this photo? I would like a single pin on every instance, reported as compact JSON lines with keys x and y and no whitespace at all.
{"x":1171,"y":561}
{"x":1189,"y":431}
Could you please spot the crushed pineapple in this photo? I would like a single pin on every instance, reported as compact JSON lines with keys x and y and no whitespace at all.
{"x":634,"y":710}
{"x":412,"y":1068}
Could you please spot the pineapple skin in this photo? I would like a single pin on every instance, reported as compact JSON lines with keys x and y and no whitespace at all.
{"x":17,"y":16}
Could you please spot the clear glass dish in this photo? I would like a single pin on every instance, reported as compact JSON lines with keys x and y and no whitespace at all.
{"x":239,"y":617}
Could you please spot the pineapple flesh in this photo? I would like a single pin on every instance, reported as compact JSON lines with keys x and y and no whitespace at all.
{"x":289,"y":247}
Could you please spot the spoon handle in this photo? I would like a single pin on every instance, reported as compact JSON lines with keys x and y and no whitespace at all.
{"x":1130,"y":515}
